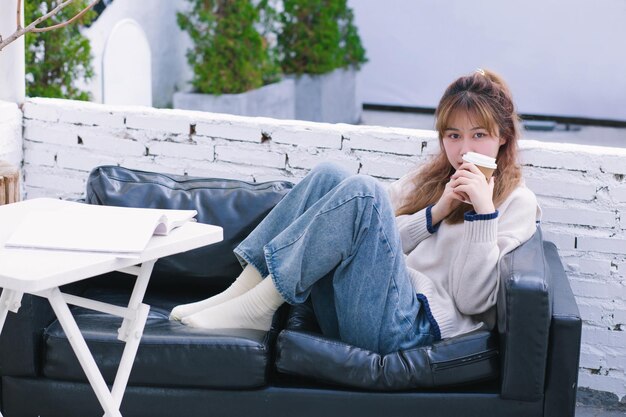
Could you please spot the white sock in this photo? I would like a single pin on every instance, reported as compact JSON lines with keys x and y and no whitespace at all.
{"x":248,"y":279}
{"x":252,"y":310}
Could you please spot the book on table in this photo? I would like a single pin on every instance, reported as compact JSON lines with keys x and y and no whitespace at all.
{"x":123,"y":231}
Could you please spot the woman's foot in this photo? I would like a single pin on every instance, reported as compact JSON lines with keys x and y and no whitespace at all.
{"x":252,"y":310}
{"x":248,"y":279}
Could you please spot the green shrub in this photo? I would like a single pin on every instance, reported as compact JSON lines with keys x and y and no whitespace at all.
{"x":318,"y":36}
{"x":229,"y":54}
{"x":57,"y":58}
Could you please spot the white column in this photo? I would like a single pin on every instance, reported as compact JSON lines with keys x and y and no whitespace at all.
{"x":12,"y":64}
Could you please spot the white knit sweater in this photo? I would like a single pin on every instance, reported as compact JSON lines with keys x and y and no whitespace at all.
{"x":457,"y":267}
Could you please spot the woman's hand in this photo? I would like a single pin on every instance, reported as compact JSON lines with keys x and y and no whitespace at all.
{"x":449,"y":200}
{"x":469,"y":180}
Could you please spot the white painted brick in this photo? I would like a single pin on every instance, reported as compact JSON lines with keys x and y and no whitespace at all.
{"x":83,"y":159}
{"x":619,"y":193}
{"x":595,"y":288}
{"x":385,"y":166}
{"x":190,"y":151}
{"x":603,"y":336}
{"x":593,"y":311}
{"x":280,"y":176}
{"x":587,"y":266}
{"x":602,"y":383}
{"x":54,"y":180}
{"x":621,"y":214}
{"x":149,"y":165}
{"x":248,"y":156}
{"x":173,"y":165}
{"x":561,"y":240}
{"x":110,"y":144}
{"x":561,"y":189}
{"x":93,"y":117}
{"x":619,"y":309}
{"x":595,"y":335}
{"x":40,"y":157}
{"x":620,"y":267}
{"x":306,"y":137}
{"x":41,"y":112}
{"x":230,"y":131}
{"x":603,"y":245}
{"x":36,"y":192}
{"x":558,"y":160}
{"x":592,"y":357}
{"x":46,"y":133}
{"x":162,"y":123}
{"x":310,"y":157}
{"x":390,"y":143}
{"x":221,"y":170}
{"x":611,"y":384}
{"x":599,"y":218}
{"x":614,"y":164}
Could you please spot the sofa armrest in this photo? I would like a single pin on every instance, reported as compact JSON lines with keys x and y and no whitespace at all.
{"x":21,"y":340}
{"x":565,"y":337}
{"x":524,"y":315}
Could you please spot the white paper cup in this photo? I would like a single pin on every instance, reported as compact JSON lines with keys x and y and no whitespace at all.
{"x":484,"y":163}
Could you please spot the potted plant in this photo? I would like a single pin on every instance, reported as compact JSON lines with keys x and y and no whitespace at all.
{"x":231,"y":61}
{"x":320,"y":47}
{"x":56,"y":59}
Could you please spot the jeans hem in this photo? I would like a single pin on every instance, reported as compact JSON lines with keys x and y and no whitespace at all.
{"x":429,"y":315}
{"x":269,"y":258}
{"x":244,"y":260}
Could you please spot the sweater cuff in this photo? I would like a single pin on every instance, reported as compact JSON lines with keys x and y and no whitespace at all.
{"x":429,"y":221}
{"x":481,"y":227}
{"x":471,"y":216}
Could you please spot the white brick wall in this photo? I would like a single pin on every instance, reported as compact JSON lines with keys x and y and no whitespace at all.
{"x":10,"y":133}
{"x":582,"y":189}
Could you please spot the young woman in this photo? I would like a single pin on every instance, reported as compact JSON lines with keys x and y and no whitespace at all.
{"x":390,"y":270}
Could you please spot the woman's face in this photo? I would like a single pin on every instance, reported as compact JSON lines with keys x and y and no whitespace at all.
{"x":464,"y":135}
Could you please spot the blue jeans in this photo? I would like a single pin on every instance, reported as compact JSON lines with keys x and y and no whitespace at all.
{"x":333,"y":237}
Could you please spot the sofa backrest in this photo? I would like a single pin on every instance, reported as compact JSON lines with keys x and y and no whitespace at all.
{"x":237,"y":206}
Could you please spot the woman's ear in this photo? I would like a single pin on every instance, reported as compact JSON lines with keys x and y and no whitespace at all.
{"x":502,"y":141}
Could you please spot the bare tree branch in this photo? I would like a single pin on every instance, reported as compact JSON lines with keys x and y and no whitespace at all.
{"x":18,"y":25}
{"x":33,"y":26}
{"x":60,"y":25}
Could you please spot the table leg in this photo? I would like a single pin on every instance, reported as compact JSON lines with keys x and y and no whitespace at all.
{"x":9,"y":301}
{"x":131,"y":330}
{"x":83,"y":354}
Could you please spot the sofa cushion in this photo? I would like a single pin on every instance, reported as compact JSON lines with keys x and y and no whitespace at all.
{"x":170,"y":354}
{"x":237,"y":206}
{"x":302,"y":350}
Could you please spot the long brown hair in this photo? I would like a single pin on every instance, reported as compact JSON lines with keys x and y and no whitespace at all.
{"x":487,"y":100}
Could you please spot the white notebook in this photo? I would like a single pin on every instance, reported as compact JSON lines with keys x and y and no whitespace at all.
{"x":91,"y":228}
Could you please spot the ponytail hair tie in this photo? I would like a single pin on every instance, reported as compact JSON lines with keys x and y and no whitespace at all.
{"x":480,"y":71}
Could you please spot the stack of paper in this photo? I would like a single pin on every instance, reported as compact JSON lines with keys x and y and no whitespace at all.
{"x":84,"y":227}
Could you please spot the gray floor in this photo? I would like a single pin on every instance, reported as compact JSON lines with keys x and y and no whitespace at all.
{"x":585,"y":135}
{"x":590,"y":404}
{"x":590,"y":411}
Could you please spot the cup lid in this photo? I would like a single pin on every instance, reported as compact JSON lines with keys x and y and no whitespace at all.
{"x":480,"y":159}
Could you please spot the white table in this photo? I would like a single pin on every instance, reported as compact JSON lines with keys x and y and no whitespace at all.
{"x":42,"y":272}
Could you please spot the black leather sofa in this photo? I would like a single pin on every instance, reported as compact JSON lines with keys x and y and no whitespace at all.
{"x":527,"y":367}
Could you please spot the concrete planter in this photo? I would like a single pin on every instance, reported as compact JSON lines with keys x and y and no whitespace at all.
{"x":274,"y":100}
{"x":328,"y":97}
